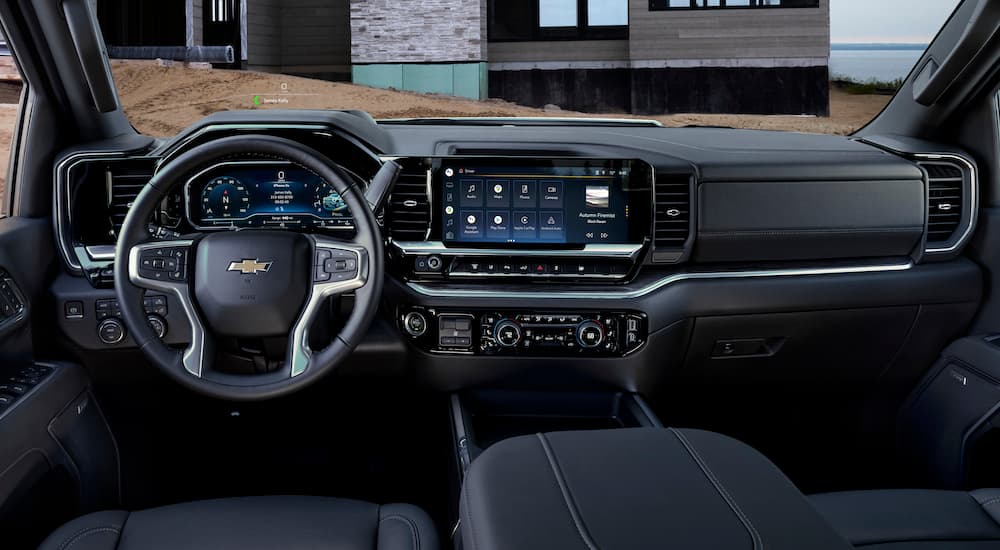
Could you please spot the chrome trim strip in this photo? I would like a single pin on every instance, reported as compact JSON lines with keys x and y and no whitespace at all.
{"x":187,"y":196}
{"x":616,"y":251}
{"x":617,"y":294}
{"x":299,"y":352}
{"x":553,"y":276}
{"x":197,"y":353}
{"x":102,"y":252}
{"x":973,"y":203}
{"x":61,"y":200}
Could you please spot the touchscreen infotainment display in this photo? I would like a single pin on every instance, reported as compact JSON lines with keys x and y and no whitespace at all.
{"x":542,"y":202}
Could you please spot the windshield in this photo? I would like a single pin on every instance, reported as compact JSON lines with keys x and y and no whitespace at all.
{"x":825,"y":66}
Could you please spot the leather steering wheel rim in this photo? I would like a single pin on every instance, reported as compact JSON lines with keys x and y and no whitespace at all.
{"x":177,"y":365}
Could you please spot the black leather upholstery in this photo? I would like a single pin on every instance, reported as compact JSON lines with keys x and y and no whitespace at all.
{"x":915,"y":519}
{"x":257,"y":523}
{"x":638,"y":488}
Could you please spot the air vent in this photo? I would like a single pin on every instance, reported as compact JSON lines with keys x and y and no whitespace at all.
{"x":123,"y":183}
{"x":946,"y":198}
{"x":672,"y":218}
{"x":408,"y":214}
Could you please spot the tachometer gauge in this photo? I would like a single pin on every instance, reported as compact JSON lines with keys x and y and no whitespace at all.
{"x":326,"y":200}
{"x":224,"y":198}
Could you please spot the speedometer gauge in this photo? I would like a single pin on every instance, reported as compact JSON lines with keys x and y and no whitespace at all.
{"x":224,"y":198}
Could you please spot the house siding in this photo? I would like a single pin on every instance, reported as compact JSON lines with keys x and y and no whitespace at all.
{"x":577,"y":50}
{"x":263,"y":34}
{"x":728,"y":33}
{"x":431,"y":31}
{"x":316,"y":36}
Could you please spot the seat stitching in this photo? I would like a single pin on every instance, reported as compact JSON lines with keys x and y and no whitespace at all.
{"x":758,"y":542}
{"x":472,"y":530}
{"x":993,"y":500}
{"x":581,"y":529}
{"x":409,"y":523}
{"x":80,"y":535}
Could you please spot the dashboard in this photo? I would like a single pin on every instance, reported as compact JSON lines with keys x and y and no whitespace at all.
{"x":263,"y":194}
{"x":562,"y":240}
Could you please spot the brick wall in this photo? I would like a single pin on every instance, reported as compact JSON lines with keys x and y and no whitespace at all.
{"x":417,"y":31}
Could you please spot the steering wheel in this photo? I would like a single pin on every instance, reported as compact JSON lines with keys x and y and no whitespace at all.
{"x":250,"y":282}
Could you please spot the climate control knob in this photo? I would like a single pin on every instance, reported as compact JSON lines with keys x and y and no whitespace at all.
{"x":589,"y":334}
{"x":507,"y":333}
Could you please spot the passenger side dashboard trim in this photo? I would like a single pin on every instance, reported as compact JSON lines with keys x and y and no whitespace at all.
{"x":433,"y":292}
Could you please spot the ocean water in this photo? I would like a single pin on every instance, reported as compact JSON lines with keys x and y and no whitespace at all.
{"x":867,"y":62}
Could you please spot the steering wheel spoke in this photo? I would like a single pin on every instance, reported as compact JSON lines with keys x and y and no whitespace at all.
{"x":338,"y":267}
{"x":166,"y":266}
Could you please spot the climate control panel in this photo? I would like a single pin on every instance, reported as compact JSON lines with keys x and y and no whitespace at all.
{"x":560,"y":333}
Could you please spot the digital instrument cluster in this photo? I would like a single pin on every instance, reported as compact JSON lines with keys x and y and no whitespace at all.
{"x":267,"y":194}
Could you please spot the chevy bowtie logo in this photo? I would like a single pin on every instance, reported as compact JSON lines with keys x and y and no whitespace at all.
{"x":250,"y":267}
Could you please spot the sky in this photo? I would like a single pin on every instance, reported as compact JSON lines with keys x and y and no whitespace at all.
{"x":910,"y":21}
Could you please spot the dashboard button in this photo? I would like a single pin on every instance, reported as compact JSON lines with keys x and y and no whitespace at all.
{"x":158,"y":324}
{"x":415,"y":324}
{"x":13,"y":389}
{"x":111,"y":331}
{"x":74,"y":310}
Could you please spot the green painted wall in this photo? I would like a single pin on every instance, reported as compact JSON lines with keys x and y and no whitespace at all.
{"x":458,"y":79}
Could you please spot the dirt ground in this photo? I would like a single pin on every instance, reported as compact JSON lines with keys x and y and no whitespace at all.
{"x":161,"y":101}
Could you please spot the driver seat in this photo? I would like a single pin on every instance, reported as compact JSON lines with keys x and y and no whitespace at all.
{"x":252,"y":523}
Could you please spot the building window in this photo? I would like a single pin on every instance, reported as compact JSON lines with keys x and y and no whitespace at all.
{"x":729,"y":4}
{"x":557,"y":13}
{"x":607,"y":13}
{"x":534,"y":20}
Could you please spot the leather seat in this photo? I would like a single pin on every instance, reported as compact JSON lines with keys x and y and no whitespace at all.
{"x":252,"y":523}
{"x":914,"y":519}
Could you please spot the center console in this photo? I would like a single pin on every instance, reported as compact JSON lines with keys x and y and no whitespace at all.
{"x":530,"y":218}
{"x":634,"y":488}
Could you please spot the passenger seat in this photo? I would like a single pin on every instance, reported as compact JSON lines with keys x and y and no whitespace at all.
{"x":911,"y":519}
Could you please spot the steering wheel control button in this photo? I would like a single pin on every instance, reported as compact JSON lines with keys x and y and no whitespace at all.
{"x":164,"y":263}
{"x":415,"y":324}
{"x":335,"y":265}
{"x":111,"y":331}
{"x":455,"y":331}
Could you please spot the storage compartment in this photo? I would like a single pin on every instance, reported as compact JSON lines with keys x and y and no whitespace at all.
{"x":949,"y":429}
{"x":482,"y":418}
{"x":812,"y":348}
